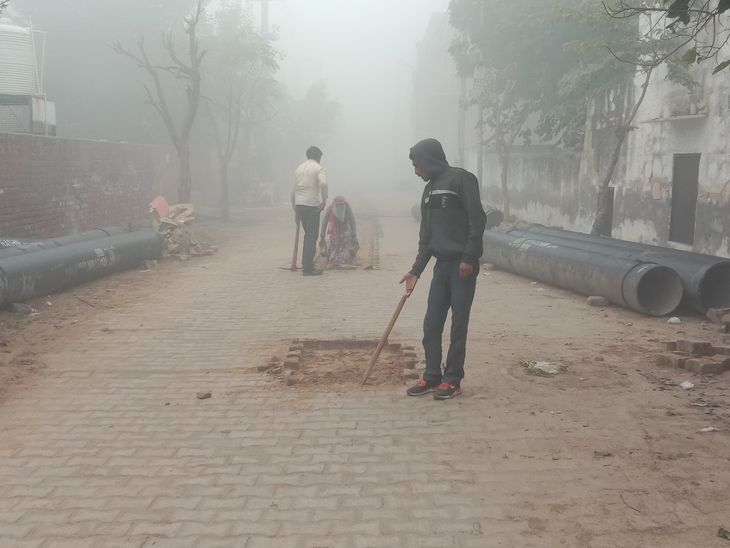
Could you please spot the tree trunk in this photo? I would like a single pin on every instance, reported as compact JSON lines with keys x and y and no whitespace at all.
{"x":603,"y":208}
{"x":247,"y":160}
{"x":504,"y":177}
{"x":186,"y":178}
{"x":224,"y":188}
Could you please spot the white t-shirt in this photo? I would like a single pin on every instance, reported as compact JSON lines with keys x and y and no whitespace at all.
{"x":309,"y":180}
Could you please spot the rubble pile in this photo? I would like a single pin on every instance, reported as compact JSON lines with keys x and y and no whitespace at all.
{"x":174,"y":225}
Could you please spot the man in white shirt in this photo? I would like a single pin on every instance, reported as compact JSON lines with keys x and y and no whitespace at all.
{"x":308,"y":199}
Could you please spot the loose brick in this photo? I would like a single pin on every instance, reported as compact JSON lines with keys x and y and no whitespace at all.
{"x":721,"y":350}
{"x":672,"y":359}
{"x":707,"y":366}
{"x":716,"y":315}
{"x":598,"y":301}
{"x":697,"y":348}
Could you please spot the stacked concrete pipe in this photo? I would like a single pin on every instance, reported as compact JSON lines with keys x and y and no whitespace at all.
{"x":706,"y":278}
{"x":646,"y":287}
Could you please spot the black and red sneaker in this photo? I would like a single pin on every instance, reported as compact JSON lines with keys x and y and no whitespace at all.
{"x":446,"y":391}
{"x":421,"y":388}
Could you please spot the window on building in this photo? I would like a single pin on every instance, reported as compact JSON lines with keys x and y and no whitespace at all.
{"x":685,"y":186}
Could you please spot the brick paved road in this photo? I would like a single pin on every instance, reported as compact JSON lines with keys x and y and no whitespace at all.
{"x":110,"y":446}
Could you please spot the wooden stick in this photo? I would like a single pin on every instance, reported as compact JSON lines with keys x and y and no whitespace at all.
{"x":296,"y":250}
{"x":295,"y":256}
{"x":384,"y":340}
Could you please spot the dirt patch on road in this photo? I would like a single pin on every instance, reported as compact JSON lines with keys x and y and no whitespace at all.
{"x":314,"y":363}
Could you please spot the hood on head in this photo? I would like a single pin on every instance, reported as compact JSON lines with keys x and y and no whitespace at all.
{"x":339,"y":208}
{"x":429,"y":156}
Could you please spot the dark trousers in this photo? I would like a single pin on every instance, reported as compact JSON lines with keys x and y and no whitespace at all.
{"x":448,"y":291}
{"x":309,"y":217}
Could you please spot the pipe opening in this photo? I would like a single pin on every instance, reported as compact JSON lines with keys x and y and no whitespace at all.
{"x":715,"y":286}
{"x":660,"y":291}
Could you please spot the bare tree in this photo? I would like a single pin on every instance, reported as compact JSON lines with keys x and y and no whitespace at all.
{"x":658,"y":42}
{"x":240,"y":81}
{"x":503,"y":115}
{"x":186,"y":70}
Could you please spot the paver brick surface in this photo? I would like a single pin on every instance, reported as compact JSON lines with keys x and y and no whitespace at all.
{"x":111,"y":447}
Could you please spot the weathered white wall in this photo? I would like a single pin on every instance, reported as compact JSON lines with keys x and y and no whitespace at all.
{"x":559,"y":188}
{"x":544,"y":187}
{"x":670,"y":122}
{"x":551,"y":186}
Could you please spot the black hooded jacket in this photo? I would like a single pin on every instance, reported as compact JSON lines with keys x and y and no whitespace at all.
{"x":452,"y":216}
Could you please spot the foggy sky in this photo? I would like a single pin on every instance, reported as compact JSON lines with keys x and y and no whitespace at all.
{"x":365,"y":51}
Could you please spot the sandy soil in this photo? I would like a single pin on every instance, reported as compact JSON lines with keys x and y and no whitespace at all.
{"x":339,"y":364}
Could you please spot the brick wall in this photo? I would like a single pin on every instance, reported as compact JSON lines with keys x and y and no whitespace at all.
{"x":50,"y":186}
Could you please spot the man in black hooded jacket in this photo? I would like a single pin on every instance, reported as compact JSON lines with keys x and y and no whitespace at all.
{"x":452,"y":226}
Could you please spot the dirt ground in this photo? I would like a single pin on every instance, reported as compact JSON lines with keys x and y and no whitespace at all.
{"x":23,"y":334}
{"x":336,"y":364}
{"x":614,"y":441}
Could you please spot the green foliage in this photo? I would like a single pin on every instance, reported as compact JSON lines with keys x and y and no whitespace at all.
{"x":699,"y":26}
{"x":555,"y":54}
{"x":242,"y":65}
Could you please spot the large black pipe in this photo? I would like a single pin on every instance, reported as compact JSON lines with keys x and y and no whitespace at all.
{"x":28,"y":247}
{"x":706,"y":278}
{"x":648,"y":288}
{"x":95,"y":234}
{"x":52,"y":269}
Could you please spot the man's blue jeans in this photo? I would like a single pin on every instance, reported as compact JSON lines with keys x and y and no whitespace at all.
{"x":448,"y":291}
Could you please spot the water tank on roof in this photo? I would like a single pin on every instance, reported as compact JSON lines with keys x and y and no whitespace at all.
{"x":18,"y":66}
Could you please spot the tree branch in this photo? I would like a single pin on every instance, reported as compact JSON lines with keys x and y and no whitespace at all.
{"x":158,"y":100}
{"x":689,"y":23}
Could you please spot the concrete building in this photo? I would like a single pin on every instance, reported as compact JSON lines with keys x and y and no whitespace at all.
{"x":675,"y":186}
{"x":672,"y":184}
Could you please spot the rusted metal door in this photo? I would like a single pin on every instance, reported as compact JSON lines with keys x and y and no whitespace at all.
{"x":684,"y":198}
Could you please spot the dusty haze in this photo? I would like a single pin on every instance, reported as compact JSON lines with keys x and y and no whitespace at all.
{"x":365,"y":51}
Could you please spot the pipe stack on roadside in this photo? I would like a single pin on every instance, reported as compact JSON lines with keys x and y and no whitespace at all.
{"x":48,"y":266}
{"x":648,"y":279}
